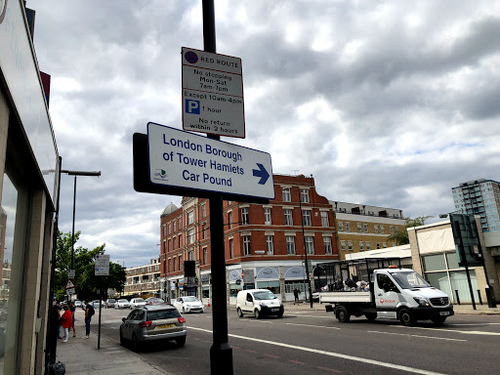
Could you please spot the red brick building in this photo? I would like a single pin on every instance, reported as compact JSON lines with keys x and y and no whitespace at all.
{"x":265,"y":245}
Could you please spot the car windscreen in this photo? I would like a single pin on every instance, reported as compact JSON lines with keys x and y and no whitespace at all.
{"x":190,"y":299}
{"x":261,"y":296}
{"x":163,"y":314}
{"x":409,"y":280}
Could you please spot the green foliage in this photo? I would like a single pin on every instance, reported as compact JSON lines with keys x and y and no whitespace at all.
{"x":401,"y":238}
{"x":85,"y":281}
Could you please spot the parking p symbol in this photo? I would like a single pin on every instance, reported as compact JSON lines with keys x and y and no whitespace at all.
{"x":192,"y":106}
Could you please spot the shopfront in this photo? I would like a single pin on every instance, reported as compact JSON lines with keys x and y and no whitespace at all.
{"x":29,"y":170}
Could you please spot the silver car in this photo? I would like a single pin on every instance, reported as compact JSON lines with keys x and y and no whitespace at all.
{"x":151,"y":323}
{"x":122,"y":304}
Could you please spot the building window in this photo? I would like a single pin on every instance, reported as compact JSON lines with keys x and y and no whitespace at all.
{"x":267,"y":215}
{"x":365,"y":228}
{"x":180,"y":223}
{"x":382,"y":229}
{"x":290,"y":245}
{"x":179,"y":241}
{"x":286,"y":195}
{"x":174,"y":223}
{"x":205,"y":255}
{"x":361,"y":246}
{"x":269,"y":245}
{"x":169,"y":245}
{"x":244,"y":215}
{"x":246,"y":245}
{"x":384,"y":245}
{"x":204,"y":210}
{"x":309,"y":245}
{"x":231,"y":248}
{"x":341,"y":226}
{"x":304,"y":195}
{"x":342,"y":245}
{"x":306,"y":218}
{"x":391,"y":228}
{"x":327,"y":244}
{"x":358,"y":225}
{"x":230,"y":219}
{"x":180,"y":262}
{"x":378,"y":245}
{"x":169,"y":228}
{"x":288,"y":216}
{"x":349,"y":244}
{"x":376,"y":228}
{"x":347,"y":227}
{"x":190,"y":236}
{"x":169,"y":265}
{"x":191,"y":255}
{"x":190,"y":218}
{"x":174,"y":263}
{"x":324,"y":219}
{"x":368,"y":247}
{"x":204,"y":230}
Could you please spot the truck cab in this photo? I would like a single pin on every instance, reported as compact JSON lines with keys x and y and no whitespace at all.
{"x":403,"y":294}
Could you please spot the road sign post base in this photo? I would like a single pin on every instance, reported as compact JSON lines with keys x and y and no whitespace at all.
{"x":221,"y":359}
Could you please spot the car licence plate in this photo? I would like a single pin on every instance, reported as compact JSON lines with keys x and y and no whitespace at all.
{"x":444,"y":313}
{"x":274,"y":310}
{"x":164,"y":326}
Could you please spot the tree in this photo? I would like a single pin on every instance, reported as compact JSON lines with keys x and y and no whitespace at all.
{"x":86,"y":283}
{"x":401,"y":238}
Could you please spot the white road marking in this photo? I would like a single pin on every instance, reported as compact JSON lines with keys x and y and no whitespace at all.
{"x":425,"y":337}
{"x":332,"y":354}
{"x":311,"y":325}
{"x":457,"y":331}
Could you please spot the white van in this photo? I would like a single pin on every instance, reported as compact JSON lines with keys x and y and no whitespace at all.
{"x":258,"y":302}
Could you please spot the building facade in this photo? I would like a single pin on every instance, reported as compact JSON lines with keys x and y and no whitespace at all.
{"x":364,"y":228}
{"x":265,"y":245}
{"x":143,"y":281}
{"x":29,"y":188}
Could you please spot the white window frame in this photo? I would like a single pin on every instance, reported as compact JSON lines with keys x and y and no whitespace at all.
{"x":290,"y":245}
{"x":288,"y":212}
{"x":247,"y":250}
{"x":270,"y":244}
{"x":327,"y":245}
{"x":286,"y":193}
{"x":309,"y":241}
{"x":306,"y":218}
{"x":267,"y":216}
{"x":325,"y":222}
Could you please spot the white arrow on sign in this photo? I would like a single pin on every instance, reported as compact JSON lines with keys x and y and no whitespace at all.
{"x":181,"y":159}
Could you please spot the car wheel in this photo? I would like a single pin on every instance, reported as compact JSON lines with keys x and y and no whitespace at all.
{"x":239,"y":312}
{"x":438,"y":320}
{"x":343,"y":315}
{"x":371,"y":316}
{"x":406,"y":318}
{"x":257,"y":314}
{"x":136,"y":345}
{"x":180,"y":341}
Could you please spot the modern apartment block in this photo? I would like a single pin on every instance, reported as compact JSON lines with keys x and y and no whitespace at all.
{"x":480,"y":197}
{"x":143,"y":280}
{"x":364,"y":228}
{"x":265,"y":245}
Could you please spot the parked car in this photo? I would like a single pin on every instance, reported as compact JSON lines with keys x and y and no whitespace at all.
{"x":154,"y":301}
{"x":122,"y":303}
{"x":189,"y":304}
{"x":110,"y":302}
{"x":78,"y":304}
{"x":137,"y":302}
{"x":152,"y":323}
{"x":95,"y":304}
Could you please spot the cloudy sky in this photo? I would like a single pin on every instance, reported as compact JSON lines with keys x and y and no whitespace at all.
{"x":386,"y":103}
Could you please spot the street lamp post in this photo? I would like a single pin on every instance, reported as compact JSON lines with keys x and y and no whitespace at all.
{"x":76,"y":173}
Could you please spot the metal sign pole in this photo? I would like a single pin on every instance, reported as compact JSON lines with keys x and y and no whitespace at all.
{"x":221,"y":353}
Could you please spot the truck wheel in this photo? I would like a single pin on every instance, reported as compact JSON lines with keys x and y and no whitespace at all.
{"x":239,"y":312}
{"x":406,"y":317}
{"x":343,"y":315}
{"x":438,"y":320}
{"x":257,"y":314}
{"x":371,"y":316}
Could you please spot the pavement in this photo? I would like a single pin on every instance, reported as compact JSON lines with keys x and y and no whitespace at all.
{"x":81,"y":356}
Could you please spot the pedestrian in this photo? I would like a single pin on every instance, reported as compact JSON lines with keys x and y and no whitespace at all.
{"x":57,"y":315}
{"x":66,"y":321}
{"x":72,"y":309}
{"x":296,"y":295}
{"x":89,"y":311}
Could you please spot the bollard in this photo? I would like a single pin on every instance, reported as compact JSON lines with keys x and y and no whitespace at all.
{"x":458,"y":298}
{"x":490,"y":297}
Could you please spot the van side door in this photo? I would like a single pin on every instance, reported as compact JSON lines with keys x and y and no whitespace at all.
{"x":386,"y":294}
{"x":249,"y":304}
